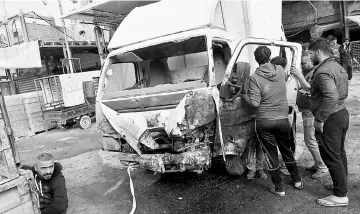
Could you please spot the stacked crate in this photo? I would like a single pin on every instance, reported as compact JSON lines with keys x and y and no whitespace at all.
{"x":32,"y":106}
{"x":15,"y":196}
{"x":26,"y":116}
{"x":17,"y":115}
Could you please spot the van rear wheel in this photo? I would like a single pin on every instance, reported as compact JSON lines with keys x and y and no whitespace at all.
{"x":235,"y":165}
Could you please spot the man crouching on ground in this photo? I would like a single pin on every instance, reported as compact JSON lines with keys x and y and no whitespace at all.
{"x":50,"y":184}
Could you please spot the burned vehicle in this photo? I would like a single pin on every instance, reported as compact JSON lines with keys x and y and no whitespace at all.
{"x":169,"y":99}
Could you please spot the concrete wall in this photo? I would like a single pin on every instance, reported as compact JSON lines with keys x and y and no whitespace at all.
{"x":50,"y":33}
{"x":44,"y":32}
{"x":301,"y":13}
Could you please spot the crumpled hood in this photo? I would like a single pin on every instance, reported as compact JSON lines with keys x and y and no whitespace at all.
{"x":267,"y":71}
{"x":134,"y":126}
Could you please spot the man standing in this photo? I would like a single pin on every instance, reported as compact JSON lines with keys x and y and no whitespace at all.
{"x":329,"y":89}
{"x":334,"y":48}
{"x":346,"y":58}
{"x":304,"y":106}
{"x":50,"y":184}
{"x":267,"y":92}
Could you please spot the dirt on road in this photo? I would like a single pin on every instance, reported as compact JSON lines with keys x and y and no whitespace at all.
{"x":93,"y":188}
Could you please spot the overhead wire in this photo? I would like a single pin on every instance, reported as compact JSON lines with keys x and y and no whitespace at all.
{"x":36,"y":26}
{"x":315,"y":10}
{"x":350,"y":11}
{"x":300,"y":30}
{"x":52,"y":25}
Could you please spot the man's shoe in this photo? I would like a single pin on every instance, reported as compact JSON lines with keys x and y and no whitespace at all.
{"x":298,"y":185}
{"x":284,"y":170}
{"x":333,"y":201}
{"x":319,"y":174}
{"x":251,"y":174}
{"x":262,"y":174}
{"x":312,"y":168}
{"x":277,"y":191}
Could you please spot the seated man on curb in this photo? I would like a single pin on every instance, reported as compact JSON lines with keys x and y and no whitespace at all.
{"x":50,"y":184}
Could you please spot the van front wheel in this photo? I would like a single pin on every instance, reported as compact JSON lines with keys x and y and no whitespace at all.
{"x":235,"y":165}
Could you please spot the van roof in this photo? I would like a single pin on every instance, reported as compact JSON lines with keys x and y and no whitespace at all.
{"x":163,"y":18}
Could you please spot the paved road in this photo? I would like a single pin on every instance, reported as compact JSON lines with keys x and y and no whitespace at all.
{"x":62,"y":143}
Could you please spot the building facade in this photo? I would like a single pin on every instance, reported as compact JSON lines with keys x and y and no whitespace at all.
{"x":298,"y":17}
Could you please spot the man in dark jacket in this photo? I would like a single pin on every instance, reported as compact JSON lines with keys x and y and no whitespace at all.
{"x":346,"y":57}
{"x":304,"y":105}
{"x":50,"y":184}
{"x":267,"y":92}
{"x":329,"y":89}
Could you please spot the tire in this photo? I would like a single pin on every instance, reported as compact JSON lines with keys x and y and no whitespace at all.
{"x":234,"y":165}
{"x":85,"y":122}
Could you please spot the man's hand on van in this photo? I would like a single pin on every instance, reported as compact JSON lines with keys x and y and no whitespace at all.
{"x":296,"y":72}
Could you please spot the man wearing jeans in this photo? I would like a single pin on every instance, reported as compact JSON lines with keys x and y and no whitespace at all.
{"x":329,"y":89}
{"x":255,"y":164}
{"x":304,"y":106}
{"x":267,"y":93}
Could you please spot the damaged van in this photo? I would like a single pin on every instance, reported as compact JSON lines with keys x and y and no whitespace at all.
{"x":169,"y":92}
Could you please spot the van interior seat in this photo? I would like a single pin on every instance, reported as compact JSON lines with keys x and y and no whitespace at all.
{"x":157,"y":74}
{"x":188,"y":74}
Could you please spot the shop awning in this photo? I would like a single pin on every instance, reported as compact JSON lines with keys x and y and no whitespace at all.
{"x":106,"y":13}
{"x":354,"y":18}
{"x":26,"y":55}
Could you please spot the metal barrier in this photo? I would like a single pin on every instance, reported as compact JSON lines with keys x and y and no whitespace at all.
{"x":51,"y":92}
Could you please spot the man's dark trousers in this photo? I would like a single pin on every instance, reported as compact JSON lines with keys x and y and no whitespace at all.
{"x":332,"y":149}
{"x":273,"y":134}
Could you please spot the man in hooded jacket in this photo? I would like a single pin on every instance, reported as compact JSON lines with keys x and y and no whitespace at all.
{"x":267,"y":93}
{"x":50,"y":184}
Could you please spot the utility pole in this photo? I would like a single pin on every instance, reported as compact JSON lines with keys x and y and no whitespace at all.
{"x":66,"y":39}
{"x":7,"y":71}
{"x":344,"y":21}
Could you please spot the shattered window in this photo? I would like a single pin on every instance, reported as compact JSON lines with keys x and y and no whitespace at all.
{"x":221,"y":57}
{"x":171,"y":66}
{"x":175,"y":62}
{"x":121,"y":76}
